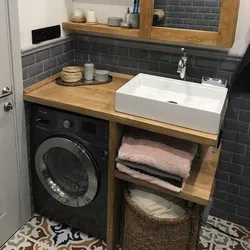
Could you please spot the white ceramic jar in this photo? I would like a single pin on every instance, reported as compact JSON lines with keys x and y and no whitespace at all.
{"x":91,"y":17}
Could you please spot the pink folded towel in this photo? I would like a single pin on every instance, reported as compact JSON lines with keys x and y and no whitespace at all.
{"x":166,"y":153}
{"x":148,"y":178}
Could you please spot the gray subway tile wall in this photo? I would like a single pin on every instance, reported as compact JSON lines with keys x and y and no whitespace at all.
{"x":231,"y":198}
{"x":190,"y":14}
{"x":46,"y":62}
{"x":158,"y":59}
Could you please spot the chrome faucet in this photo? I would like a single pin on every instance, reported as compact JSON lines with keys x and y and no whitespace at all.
{"x":182,"y":65}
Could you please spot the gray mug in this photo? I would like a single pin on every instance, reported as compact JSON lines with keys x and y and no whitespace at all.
{"x":134,"y":19}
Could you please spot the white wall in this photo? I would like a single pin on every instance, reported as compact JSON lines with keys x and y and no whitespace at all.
{"x":242,"y":38}
{"x":103,"y":10}
{"x":35,"y":14}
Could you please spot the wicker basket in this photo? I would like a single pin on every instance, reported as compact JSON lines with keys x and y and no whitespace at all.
{"x":78,"y":19}
{"x":78,"y":16}
{"x":160,"y":13}
{"x":71,"y":74}
{"x":142,"y":231}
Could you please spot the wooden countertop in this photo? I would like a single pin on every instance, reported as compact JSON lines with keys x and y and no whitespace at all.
{"x":99,"y":101}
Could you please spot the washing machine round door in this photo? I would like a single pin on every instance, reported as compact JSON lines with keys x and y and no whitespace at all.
{"x":67,"y":171}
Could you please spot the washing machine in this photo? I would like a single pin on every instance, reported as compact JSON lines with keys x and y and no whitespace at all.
{"x":70,"y":168}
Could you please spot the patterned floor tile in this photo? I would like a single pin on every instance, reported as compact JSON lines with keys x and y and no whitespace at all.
{"x":211,"y":239}
{"x":41,"y":233}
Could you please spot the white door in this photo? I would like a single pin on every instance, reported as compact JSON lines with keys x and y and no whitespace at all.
{"x":10,"y":214}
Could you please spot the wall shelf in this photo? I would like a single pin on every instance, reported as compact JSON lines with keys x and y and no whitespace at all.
{"x":101,"y":28}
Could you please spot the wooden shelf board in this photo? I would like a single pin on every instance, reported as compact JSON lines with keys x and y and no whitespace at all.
{"x":188,"y":36}
{"x":199,"y":185}
{"x":101,"y":28}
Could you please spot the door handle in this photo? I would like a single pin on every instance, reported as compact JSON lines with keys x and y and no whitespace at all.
{"x":7,"y":106}
{"x":6,"y":92}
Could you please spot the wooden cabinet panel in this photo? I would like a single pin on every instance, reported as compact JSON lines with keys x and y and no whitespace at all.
{"x":146,"y":18}
{"x":186,"y":36}
{"x":228,"y":22}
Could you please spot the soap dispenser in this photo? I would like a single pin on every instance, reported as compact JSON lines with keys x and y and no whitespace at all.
{"x":89,"y":70}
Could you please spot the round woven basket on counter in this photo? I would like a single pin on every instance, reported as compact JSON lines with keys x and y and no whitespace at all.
{"x":71,"y":74}
{"x":142,"y":231}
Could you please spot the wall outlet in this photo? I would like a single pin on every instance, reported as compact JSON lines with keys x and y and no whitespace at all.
{"x":45,"y":34}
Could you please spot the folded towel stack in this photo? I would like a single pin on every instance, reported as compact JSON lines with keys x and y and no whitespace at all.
{"x":161,"y":160}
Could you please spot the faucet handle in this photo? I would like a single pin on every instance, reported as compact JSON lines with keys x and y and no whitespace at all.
{"x":184,"y":52}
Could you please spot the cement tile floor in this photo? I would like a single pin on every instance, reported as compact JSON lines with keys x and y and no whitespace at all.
{"x":41,"y":233}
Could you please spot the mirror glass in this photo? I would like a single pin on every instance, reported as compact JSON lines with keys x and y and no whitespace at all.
{"x":187,"y":14}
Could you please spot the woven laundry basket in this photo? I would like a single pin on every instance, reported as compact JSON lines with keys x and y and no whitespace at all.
{"x":142,"y":231}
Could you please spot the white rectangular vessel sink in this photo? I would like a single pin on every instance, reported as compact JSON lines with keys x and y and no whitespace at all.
{"x":186,"y":104}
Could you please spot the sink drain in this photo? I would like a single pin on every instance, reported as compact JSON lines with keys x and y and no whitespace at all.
{"x":173,"y":102}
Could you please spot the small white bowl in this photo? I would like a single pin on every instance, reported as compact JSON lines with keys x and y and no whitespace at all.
{"x":114,"y":21}
{"x":101,"y":75}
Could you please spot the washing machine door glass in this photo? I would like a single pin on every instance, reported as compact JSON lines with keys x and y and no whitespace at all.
{"x":67,"y":171}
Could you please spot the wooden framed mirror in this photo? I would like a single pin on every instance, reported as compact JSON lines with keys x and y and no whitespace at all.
{"x":224,"y":37}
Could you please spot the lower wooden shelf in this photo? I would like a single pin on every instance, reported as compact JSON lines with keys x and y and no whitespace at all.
{"x":199,"y":185}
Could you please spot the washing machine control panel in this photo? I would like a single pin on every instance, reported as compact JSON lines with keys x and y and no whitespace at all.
{"x":92,"y":130}
{"x":67,"y":124}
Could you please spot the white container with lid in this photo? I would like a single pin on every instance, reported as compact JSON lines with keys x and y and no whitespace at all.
{"x":101,"y":75}
{"x":114,"y":21}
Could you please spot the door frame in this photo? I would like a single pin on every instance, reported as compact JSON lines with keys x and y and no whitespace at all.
{"x":19,"y":111}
